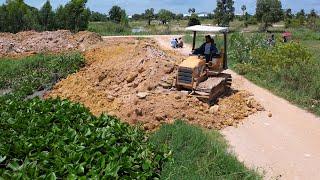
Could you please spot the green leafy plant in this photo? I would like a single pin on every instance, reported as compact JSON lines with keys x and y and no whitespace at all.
{"x":241,"y":46}
{"x":59,"y":139}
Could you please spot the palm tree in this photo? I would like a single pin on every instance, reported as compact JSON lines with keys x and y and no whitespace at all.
{"x":243,"y":8}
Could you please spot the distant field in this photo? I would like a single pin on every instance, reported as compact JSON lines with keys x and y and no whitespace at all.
{"x":141,"y":27}
{"x":137,"y":28}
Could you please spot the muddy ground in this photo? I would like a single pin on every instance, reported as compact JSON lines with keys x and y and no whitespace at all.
{"x":32,"y":42}
{"x":132,"y":79}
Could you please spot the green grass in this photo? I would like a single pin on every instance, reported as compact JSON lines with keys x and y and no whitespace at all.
{"x":198,"y":154}
{"x":108,"y":28}
{"x":27,"y":75}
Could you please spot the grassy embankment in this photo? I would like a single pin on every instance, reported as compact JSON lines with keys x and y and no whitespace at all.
{"x":199,"y":154}
{"x":35,"y":73}
{"x":54,"y":138}
{"x":289,"y":70}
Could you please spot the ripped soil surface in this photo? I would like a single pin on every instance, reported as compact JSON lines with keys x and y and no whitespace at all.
{"x":32,"y":42}
{"x":132,"y":79}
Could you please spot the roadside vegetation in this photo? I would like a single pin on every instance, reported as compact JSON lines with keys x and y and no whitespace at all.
{"x":288,"y":69}
{"x":24,"y":76}
{"x":198,"y":154}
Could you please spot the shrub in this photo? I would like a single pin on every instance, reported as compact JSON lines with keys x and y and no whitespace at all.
{"x":59,"y":139}
{"x":194,"y":20}
{"x":288,"y":69}
{"x":241,"y":46}
{"x":290,"y":62}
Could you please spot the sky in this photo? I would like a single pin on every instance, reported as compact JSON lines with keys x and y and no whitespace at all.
{"x":177,"y":6}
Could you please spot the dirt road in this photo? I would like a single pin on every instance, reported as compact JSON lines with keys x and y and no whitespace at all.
{"x":284,"y":146}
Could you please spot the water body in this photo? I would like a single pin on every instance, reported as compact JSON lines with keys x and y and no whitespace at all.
{"x":138,"y":30}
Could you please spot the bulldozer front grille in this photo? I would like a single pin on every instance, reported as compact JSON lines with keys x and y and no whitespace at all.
{"x":185,"y":75}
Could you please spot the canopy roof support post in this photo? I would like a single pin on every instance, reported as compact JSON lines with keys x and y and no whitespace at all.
{"x":194,"y":40}
{"x":225,"y":62}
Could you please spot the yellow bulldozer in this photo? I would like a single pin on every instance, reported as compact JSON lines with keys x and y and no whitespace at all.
{"x":205,"y":80}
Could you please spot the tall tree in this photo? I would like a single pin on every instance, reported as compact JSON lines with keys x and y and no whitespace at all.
{"x":224,"y":12}
{"x":77,"y":15}
{"x":165,"y":16}
{"x":268,"y":12}
{"x":301,"y":16}
{"x":16,"y":9}
{"x":3,"y":18}
{"x":46,"y":16}
{"x":124,"y":18}
{"x":98,"y":17}
{"x":61,"y":18}
{"x":312,"y":18}
{"x":116,"y":13}
{"x":243,"y":8}
{"x":179,"y":16}
{"x":30,"y":19}
{"x":288,"y":17}
{"x":194,"y":20}
{"x":192,"y":10}
{"x":149,"y":15}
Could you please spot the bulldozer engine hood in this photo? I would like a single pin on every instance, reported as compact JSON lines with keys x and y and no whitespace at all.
{"x":192,"y":62}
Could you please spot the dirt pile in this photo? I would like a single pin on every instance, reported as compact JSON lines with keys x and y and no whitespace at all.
{"x":32,"y":42}
{"x":132,"y":79}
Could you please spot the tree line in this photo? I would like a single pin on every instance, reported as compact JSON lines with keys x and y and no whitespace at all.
{"x":16,"y":15}
{"x":163,"y":15}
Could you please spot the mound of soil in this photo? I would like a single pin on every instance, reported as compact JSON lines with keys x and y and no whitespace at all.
{"x":32,"y":42}
{"x":132,"y":79}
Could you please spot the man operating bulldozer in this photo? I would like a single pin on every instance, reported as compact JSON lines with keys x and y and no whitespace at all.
{"x":207,"y":49}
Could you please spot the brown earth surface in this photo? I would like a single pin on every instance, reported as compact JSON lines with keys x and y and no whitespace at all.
{"x":32,"y":42}
{"x":132,"y":79}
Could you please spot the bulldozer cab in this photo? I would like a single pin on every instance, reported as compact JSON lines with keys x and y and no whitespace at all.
{"x":218,"y":63}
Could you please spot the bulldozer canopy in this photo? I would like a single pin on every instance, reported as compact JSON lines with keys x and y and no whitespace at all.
{"x":214,"y":29}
